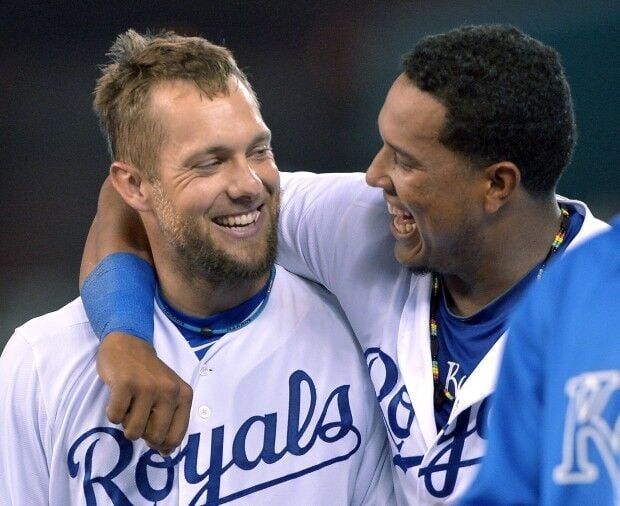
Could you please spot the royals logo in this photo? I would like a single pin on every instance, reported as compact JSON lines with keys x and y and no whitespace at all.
{"x":441,"y":471}
{"x":313,"y":438}
{"x":591,"y":427}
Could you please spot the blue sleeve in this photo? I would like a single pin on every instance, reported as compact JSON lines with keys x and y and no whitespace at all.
{"x":509,"y":472}
{"x":563,"y":331}
{"x":118,"y":296}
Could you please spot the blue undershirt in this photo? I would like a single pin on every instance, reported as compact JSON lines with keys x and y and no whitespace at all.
{"x":465,"y":341}
{"x":220,"y":324}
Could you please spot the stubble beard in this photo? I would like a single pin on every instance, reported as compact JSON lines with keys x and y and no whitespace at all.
{"x":200,"y":257}
{"x":463,"y":248}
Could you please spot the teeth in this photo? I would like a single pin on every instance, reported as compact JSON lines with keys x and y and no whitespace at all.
{"x":403,"y":221}
{"x":395,"y":211}
{"x":403,"y":228}
{"x":239,"y":220}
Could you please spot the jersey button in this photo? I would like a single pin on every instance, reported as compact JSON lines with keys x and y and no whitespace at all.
{"x":204,"y":370}
{"x":204,"y":411}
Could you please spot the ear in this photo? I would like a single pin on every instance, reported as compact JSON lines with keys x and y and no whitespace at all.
{"x":502,"y":180}
{"x":131,"y":184}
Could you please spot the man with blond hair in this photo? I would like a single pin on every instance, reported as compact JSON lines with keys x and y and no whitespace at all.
{"x":283,"y":411}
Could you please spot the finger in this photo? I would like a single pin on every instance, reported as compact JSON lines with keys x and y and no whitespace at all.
{"x":135,"y":421}
{"x":158,"y":424}
{"x":118,"y":404}
{"x":179,"y":422}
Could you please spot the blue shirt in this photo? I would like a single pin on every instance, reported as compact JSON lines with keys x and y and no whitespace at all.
{"x":553,"y":438}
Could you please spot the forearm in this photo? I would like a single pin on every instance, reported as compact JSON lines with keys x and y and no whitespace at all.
{"x":117,"y":281}
{"x":117,"y":290}
{"x":116,"y":228}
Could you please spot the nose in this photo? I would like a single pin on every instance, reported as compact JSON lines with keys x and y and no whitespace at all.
{"x":245,"y":182}
{"x":377,"y":174}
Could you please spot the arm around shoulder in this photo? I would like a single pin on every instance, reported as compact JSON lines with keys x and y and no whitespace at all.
{"x":313,"y":206}
{"x":116,"y":228}
{"x":118,"y":287}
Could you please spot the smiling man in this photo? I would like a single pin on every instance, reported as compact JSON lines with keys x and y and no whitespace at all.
{"x":220,"y":223}
{"x":283,"y":411}
{"x":460,"y":218}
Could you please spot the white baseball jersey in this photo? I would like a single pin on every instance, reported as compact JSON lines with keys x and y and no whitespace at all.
{"x":283,"y":413}
{"x":335,"y":230}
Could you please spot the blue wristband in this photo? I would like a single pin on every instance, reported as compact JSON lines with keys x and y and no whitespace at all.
{"x":118,"y":296}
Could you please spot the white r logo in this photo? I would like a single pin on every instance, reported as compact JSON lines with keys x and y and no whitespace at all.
{"x":453,"y":368}
{"x":589,"y":395}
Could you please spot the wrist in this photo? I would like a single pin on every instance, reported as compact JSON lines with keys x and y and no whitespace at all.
{"x":118,"y":296}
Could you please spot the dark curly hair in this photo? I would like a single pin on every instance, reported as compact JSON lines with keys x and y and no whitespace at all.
{"x":506,"y":98}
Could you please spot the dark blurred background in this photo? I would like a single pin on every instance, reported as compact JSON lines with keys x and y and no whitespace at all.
{"x":321,"y":69}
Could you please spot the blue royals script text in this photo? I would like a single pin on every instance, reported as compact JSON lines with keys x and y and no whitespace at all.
{"x":334,"y":424}
{"x":441,"y":472}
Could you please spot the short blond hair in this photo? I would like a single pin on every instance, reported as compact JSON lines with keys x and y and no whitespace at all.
{"x":138,"y":62}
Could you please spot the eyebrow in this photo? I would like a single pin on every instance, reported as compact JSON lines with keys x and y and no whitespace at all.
{"x":398,"y":150}
{"x":402,"y":152}
{"x":264,"y":136}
